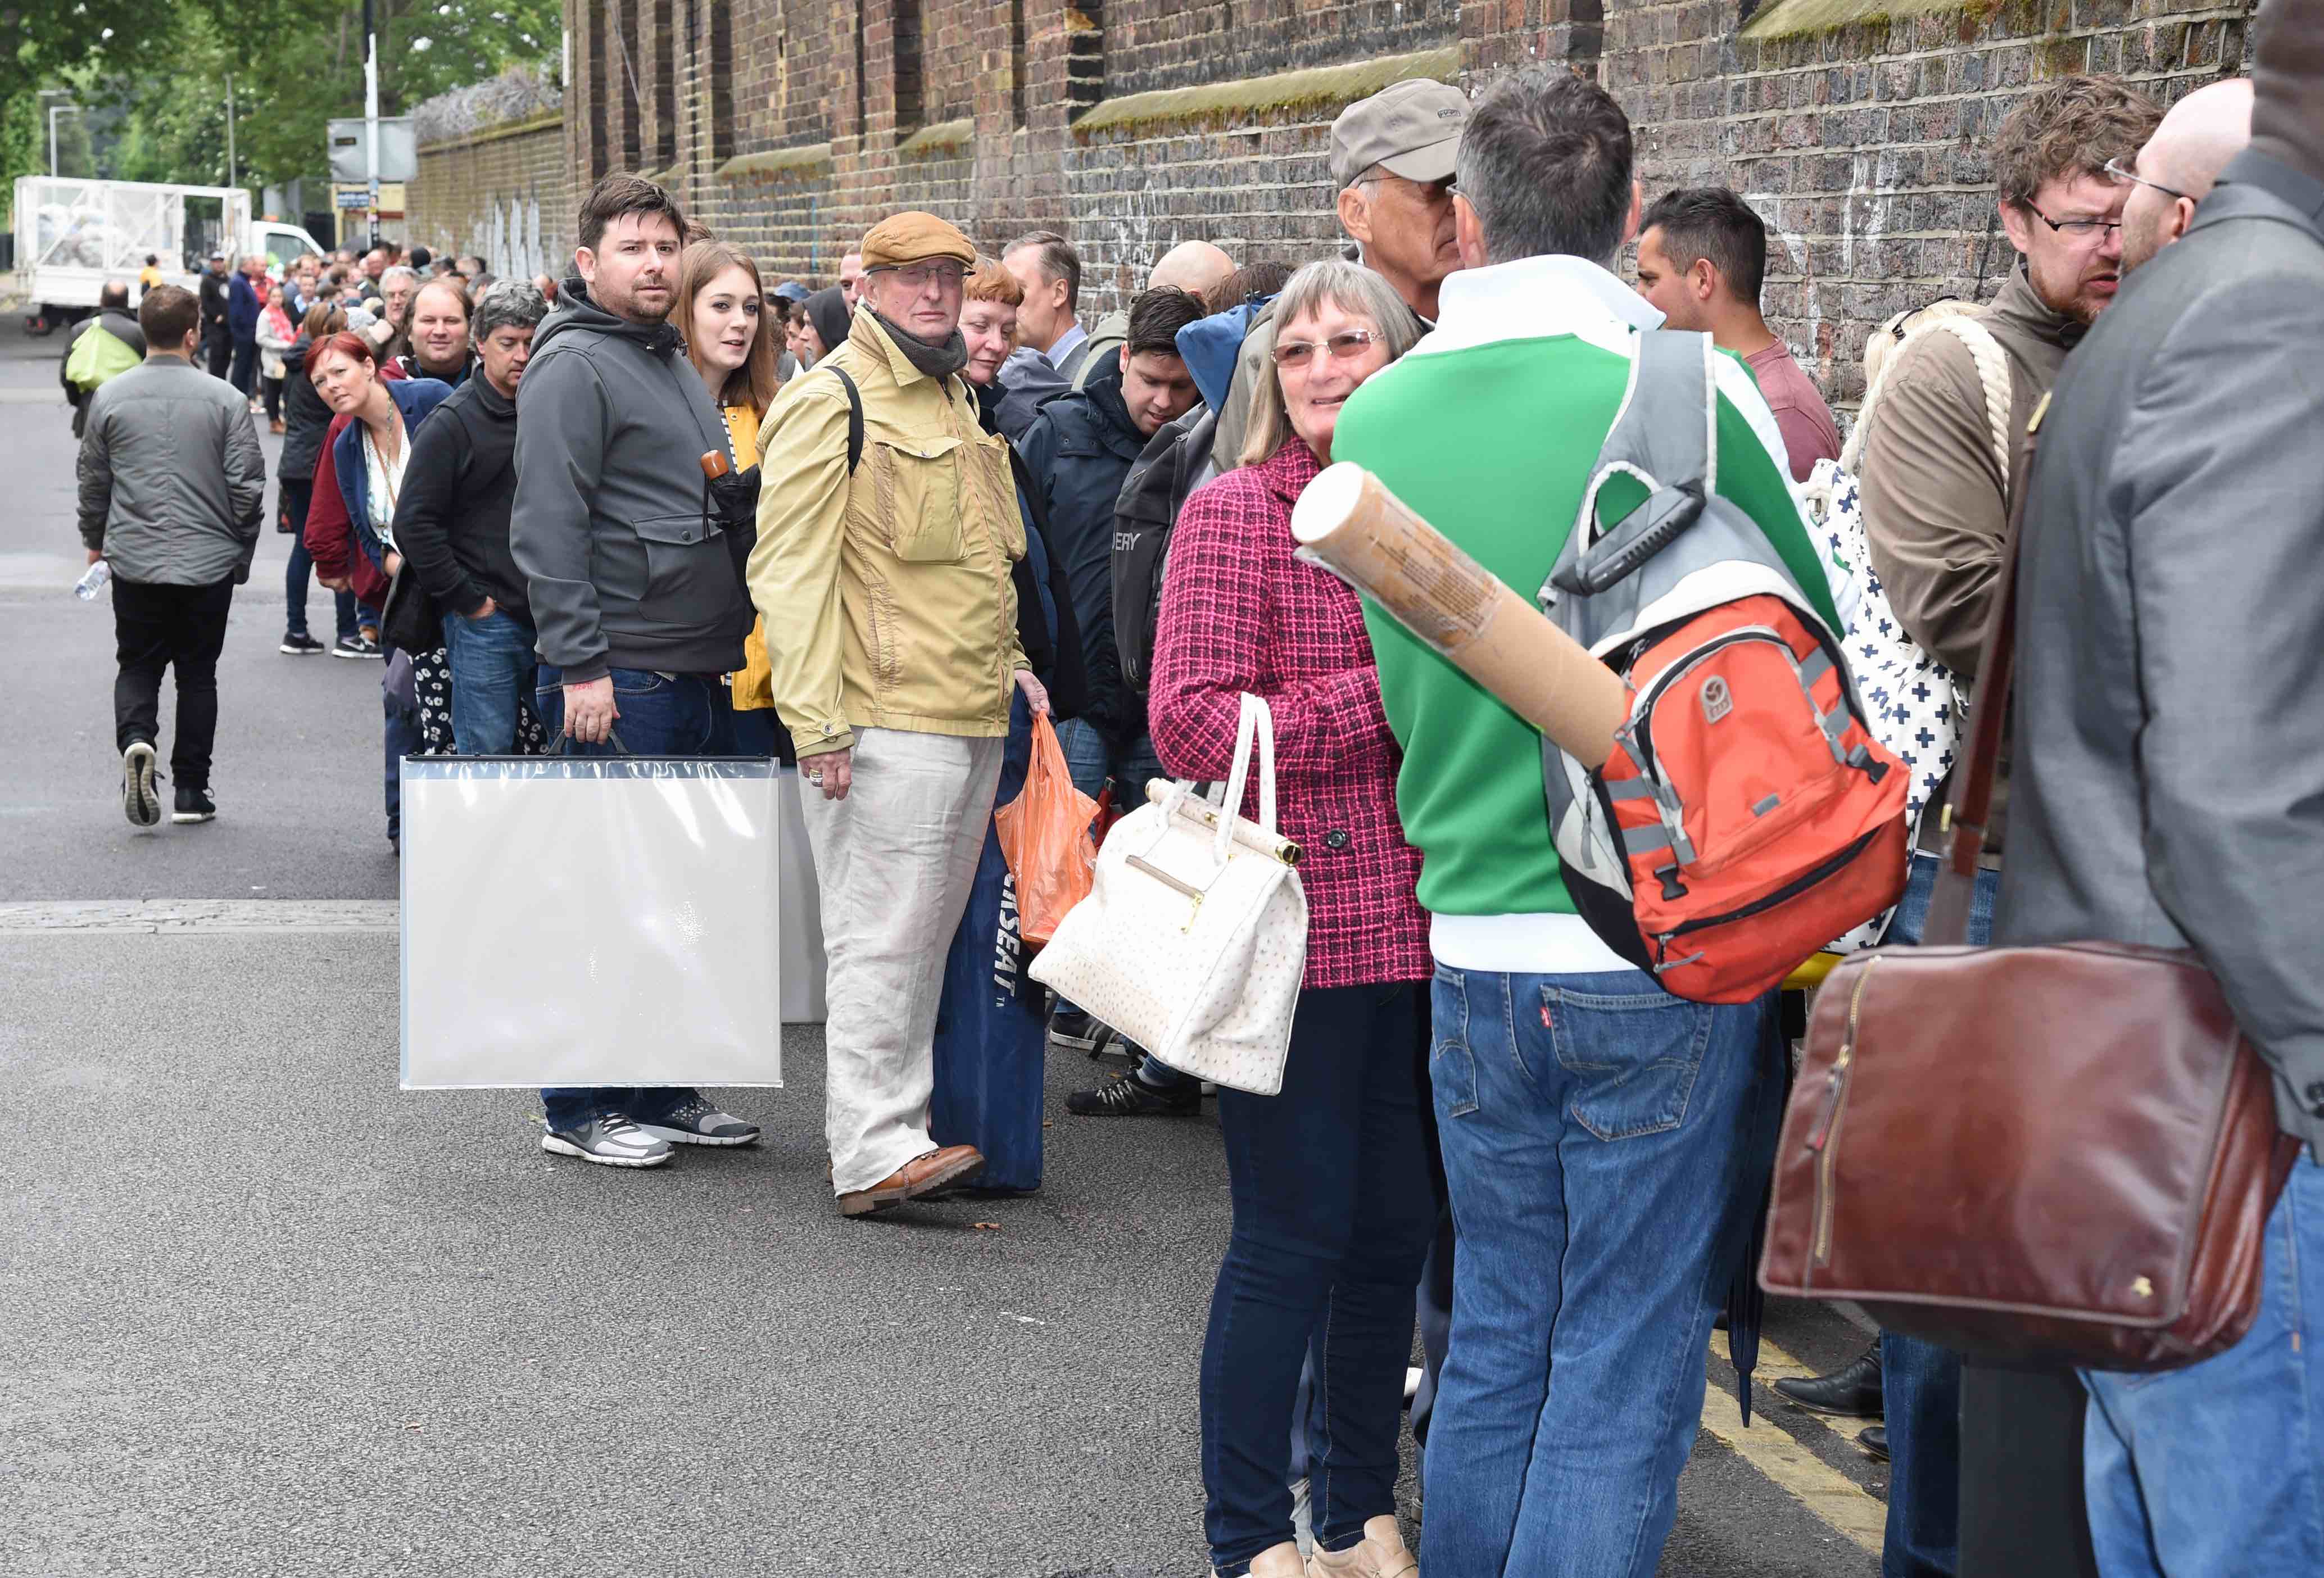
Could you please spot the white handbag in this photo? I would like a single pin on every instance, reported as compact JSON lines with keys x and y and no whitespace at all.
{"x":1192,"y":941}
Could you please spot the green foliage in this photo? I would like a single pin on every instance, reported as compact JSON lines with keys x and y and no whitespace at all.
{"x":296,"y":64}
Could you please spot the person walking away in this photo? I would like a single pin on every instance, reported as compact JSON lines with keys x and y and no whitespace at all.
{"x":1702,"y":256}
{"x":218,"y":339}
{"x":2177,"y":506}
{"x":1936,"y":502}
{"x":1051,"y":341}
{"x":150,"y":275}
{"x":639,"y":614}
{"x":171,"y":482}
{"x":452,"y":522}
{"x":1392,"y":161}
{"x":305,"y":420}
{"x":1606,"y":1144}
{"x":438,"y":335}
{"x":893,"y":655}
{"x":1078,"y":451}
{"x":276,"y":335}
{"x":122,"y":348}
{"x":351,"y":514}
{"x":1336,"y":1201}
{"x":730,"y":340}
{"x":246,"y":303}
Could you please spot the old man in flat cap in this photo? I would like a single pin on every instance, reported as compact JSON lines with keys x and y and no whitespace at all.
{"x":887,"y":525}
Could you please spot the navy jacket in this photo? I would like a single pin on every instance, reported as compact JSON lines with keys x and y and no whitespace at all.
{"x":1076,"y":453}
{"x":243,"y":308}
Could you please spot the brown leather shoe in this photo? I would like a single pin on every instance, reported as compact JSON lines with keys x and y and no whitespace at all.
{"x":924,"y":1174}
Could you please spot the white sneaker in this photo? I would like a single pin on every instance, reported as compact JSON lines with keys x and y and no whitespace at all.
{"x":612,"y":1141}
{"x":140,"y":801}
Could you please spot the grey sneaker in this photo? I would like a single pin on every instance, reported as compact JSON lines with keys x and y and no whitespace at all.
{"x":698,"y":1122}
{"x":141,"y":802}
{"x":611,"y":1141}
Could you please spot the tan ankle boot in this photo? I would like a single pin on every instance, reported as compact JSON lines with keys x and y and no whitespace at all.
{"x":1379,"y":1554}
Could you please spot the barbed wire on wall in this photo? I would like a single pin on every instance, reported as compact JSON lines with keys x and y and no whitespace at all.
{"x":513,"y":96}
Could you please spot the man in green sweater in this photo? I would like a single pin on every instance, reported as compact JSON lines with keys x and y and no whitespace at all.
{"x":1605,"y":1142}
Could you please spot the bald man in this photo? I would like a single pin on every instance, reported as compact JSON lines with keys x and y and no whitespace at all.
{"x":2179,"y":163}
{"x":1192,"y":266}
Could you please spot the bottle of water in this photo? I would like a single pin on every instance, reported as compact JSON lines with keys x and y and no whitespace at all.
{"x":91,"y":584}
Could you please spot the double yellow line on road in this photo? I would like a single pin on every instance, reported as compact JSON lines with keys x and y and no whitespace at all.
{"x":1834,"y":1499}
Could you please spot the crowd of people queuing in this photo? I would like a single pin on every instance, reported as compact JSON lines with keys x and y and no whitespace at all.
{"x":1491,"y":1124}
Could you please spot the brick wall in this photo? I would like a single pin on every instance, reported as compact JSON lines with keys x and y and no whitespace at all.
{"x":495,"y":175}
{"x":1857,"y":128}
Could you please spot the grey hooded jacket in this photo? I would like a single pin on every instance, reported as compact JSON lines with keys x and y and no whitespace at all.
{"x":608,"y":525}
{"x":2169,"y":772}
{"x":172,"y":480}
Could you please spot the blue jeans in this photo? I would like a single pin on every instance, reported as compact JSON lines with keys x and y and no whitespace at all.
{"x":2217,"y":1469}
{"x":1920,"y":1382}
{"x":492,"y":668}
{"x":1605,"y":1147}
{"x":1092,"y":758}
{"x":1334,"y":1210}
{"x":662,"y":714}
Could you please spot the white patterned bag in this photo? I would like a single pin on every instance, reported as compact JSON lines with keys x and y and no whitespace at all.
{"x":1193,"y":941}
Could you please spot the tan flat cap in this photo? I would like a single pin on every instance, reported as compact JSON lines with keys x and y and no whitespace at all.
{"x":910,"y":237}
{"x":1412,"y":128}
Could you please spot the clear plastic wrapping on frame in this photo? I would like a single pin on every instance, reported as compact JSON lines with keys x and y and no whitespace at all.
{"x":590,"y":922}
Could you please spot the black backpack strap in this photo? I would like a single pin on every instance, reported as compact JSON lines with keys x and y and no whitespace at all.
{"x":854,"y":418}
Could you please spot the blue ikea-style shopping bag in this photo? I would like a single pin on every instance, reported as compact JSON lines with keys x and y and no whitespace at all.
{"x":990,"y":1024}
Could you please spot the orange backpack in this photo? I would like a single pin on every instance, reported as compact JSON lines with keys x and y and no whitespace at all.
{"x":1748,"y":815}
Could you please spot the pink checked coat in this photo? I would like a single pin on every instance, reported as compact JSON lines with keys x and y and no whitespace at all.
{"x":1239,"y":614}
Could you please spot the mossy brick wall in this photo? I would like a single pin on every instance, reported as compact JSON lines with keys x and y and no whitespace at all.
{"x":1859,"y":128}
{"x":505,"y":193}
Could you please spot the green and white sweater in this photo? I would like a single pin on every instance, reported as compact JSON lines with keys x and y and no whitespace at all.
{"x":1490,"y":428}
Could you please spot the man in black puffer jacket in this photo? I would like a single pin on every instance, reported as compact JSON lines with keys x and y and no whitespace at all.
{"x":1078,"y":451}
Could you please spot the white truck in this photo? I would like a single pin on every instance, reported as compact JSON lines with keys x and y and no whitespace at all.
{"x":72,"y":235}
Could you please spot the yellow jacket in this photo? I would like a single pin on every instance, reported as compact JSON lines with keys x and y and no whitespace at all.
{"x":885,"y":595}
{"x":751,"y":686}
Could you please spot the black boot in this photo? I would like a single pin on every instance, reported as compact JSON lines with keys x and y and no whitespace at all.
{"x":1851,"y":1392}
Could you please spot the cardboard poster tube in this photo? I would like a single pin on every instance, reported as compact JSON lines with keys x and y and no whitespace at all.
{"x":1347,"y":521}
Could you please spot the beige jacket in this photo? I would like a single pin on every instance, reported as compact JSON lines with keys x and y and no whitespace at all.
{"x":885,"y":595}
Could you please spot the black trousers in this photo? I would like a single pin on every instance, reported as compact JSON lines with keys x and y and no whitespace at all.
{"x":217,"y":349}
{"x":156,"y":626}
{"x":244,"y":373}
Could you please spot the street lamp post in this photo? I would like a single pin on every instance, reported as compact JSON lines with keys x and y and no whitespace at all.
{"x":54,"y":111}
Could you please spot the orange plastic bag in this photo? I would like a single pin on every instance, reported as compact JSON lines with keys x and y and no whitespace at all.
{"x":1044,"y":837}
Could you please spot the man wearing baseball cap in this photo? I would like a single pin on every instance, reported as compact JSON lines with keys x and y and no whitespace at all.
{"x":1392,"y":160}
{"x":887,"y":527}
{"x":218,"y":344}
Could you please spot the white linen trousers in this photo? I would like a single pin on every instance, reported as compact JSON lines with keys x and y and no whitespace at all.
{"x":895,"y":860}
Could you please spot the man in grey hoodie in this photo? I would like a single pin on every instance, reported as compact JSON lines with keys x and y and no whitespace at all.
{"x":636,"y":596}
{"x":172,"y":484}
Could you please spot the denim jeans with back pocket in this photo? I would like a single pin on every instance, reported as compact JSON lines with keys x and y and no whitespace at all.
{"x":1605,"y":1145}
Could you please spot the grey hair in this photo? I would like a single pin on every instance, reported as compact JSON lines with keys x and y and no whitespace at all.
{"x":400,"y":270}
{"x":1544,"y":162}
{"x":1356,"y":291}
{"x":508,"y":304}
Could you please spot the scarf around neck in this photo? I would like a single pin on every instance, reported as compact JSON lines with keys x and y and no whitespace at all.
{"x":933,"y":360}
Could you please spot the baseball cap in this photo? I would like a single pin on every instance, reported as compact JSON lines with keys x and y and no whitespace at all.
{"x":1412,"y":128}
{"x":792,"y":290}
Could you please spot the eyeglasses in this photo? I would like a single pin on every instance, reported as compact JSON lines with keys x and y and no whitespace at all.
{"x":1344,"y":345}
{"x":2113,"y":166}
{"x":921,"y":276}
{"x":2078,"y":232}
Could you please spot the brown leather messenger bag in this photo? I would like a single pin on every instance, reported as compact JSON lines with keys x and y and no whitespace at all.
{"x":2059,"y":1155}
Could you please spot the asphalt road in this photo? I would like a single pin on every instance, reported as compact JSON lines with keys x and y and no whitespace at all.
{"x":266,"y":1314}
